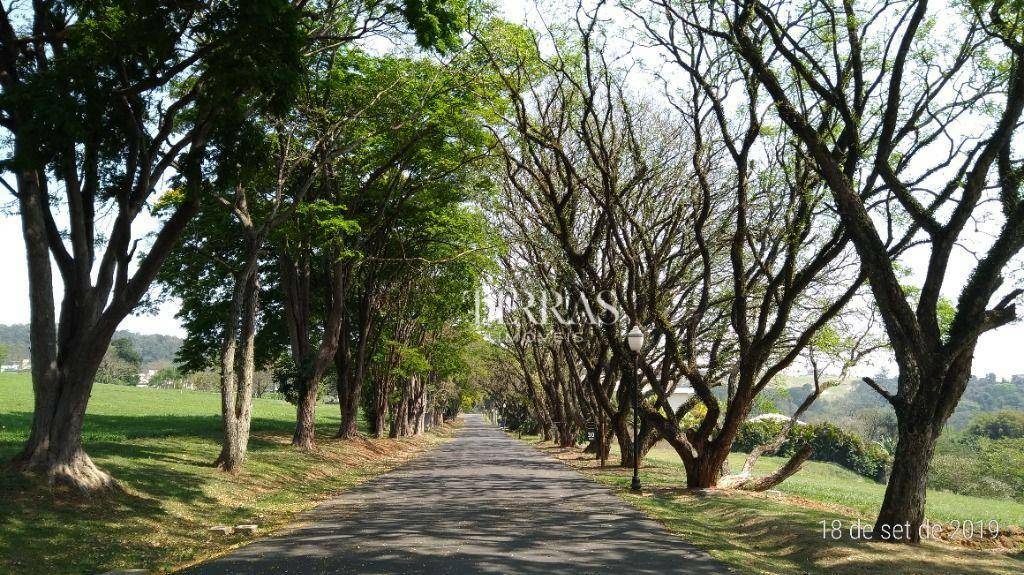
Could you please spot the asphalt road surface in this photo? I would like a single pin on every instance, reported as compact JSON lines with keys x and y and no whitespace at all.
{"x":481,"y":503}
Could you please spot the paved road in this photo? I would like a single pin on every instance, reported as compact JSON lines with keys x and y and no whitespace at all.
{"x":482,"y":503}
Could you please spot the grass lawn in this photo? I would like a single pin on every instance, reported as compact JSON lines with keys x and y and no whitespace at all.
{"x":835,"y":485}
{"x":782,"y":534}
{"x":160,"y":445}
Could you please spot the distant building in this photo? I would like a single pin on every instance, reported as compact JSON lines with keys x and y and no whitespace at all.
{"x":679,"y":396}
{"x":146,"y":376}
{"x":775,"y":417}
{"x":23,"y":365}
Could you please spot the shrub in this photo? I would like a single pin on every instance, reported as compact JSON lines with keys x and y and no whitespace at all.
{"x":1003,"y":460}
{"x":984,"y":468}
{"x":1006,"y":424}
{"x":829,"y":442}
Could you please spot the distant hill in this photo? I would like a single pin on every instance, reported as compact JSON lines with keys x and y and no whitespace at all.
{"x":857,"y":400}
{"x":155,"y":349}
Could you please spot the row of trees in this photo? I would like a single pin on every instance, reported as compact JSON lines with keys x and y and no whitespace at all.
{"x":759,"y":214}
{"x":350,"y":248}
{"x":313,"y":202}
{"x":318,"y":212}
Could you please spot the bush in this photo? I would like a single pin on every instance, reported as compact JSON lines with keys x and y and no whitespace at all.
{"x":981,"y":468}
{"x":1006,"y":424}
{"x":830,"y":444}
{"x":1003,"y":460}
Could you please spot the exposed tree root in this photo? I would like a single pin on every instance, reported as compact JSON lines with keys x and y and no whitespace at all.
{"x":76,"y":472}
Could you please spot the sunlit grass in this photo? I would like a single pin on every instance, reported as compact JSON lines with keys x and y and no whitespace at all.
{"x":832,"y":484}
{"x":782,"y":534}
{"x":160,"y":445}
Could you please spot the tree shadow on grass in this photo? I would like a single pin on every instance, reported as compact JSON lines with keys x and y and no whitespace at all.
{"x":795,"y":536}
{"x":157,"y":456}
{"x":165,"y":463}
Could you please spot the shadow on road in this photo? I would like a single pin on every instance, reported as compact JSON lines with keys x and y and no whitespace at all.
{"x":483,"y":503}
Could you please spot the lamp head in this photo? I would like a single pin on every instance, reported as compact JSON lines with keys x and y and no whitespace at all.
{"x":635,"y":339}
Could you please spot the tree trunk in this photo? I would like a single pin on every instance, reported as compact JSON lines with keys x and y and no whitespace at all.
{"x":349,"y":395}
{"x":920,"y":424}
{"x":766,"y":482}
{"x":305,"y":424}
{"x":625,"y":439}
{"x":61,"y":383}
{"x":295,"y":282}
{"x":902,"y":508}
{"x":381,"y":406}
{"x":349,"y":400}
{"x":55,"y":449}
{"x":237,"y":377}
{"x":400,"y":424}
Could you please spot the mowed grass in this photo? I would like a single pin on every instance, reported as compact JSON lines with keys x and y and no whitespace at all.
{"x":783,"y":535}
{"x":160,"y":444}
{"x":834,"y":485}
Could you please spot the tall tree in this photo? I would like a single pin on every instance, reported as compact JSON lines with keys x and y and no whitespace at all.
{"x":104,"y":100}
{"x":710,"y":228}
{"x":423,"y":166}
{"x":911,"y":125}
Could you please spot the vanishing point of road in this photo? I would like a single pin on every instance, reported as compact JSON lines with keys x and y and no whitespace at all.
{"x":481,"y":503}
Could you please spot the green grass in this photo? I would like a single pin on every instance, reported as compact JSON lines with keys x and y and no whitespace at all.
{"x":759,"y":534}
{"x":832,"y":484}
{"x":160,"y":444}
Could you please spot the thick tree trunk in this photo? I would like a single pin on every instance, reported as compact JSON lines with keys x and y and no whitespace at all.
{"x":625,"y":439}
{"x":305,"y":419}
{"x":55,"y":449}
{"x":400,"y":423}
{"x":230,"y":456}
{"x":295,"y":282}
{"x":920,"y":425}
{"x":349,"y":399}
{"x":61,"y":383}
{"x":349,"y":396}
{"x":381,"y":407}
{"x":420,"y":420}
{"x":902,"y":508}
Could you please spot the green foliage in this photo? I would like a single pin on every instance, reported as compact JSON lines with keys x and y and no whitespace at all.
{"x":120,"y":365}
{"x":3,"y":353}
{"x":291,"y":379}
{"x":250,"y":59}
{"x":165,"y":377}
{"x":829,"y":442}
{"x":946,"y":312}
{"x":323,"y":223}
{"x":153,"y":348}
{"x":975,"y":465}
{"x":411,"y":361}
{"x":860,"y":408}
{"x":124,"y":350}
{"x":436,"y":23}
{"x":1005,"y":424}
{"x":1005,"y":16}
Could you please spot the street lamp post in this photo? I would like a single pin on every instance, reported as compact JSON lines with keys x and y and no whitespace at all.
{"x":635,"y":340}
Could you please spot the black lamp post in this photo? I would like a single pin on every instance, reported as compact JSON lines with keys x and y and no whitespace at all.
{"x":635,"y":340}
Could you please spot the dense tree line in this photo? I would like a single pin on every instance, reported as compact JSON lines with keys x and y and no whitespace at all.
{"x":327,"y":210}
{"x":760,"y":212}
{"x":301,"y":187}
{"x":154,"y":348}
